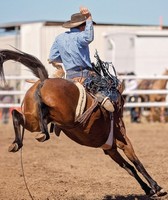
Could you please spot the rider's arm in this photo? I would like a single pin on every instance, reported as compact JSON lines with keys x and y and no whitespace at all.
{"x":54,"y":55}
{"x":86,"y":36}
{"x":55,"y":60}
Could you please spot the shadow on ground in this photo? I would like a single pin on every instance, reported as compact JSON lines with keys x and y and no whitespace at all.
{"x":129,"y":197}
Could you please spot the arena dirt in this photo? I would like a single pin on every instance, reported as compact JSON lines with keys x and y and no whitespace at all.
{"x":60,"y":169}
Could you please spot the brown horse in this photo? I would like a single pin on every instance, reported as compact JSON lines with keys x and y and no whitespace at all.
{"x":159,"y":84}
{"x":55,"y":100}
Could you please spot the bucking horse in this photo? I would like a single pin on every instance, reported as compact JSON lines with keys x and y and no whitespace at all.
{"x":66,"y":106}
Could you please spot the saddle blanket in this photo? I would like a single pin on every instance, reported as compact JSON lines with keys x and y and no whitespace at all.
{"x":80,"y":109}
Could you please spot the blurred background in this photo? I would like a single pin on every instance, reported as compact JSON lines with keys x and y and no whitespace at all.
{"x":133,"y":35}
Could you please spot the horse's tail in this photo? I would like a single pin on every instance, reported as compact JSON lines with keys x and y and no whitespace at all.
{"x":33,"y":63}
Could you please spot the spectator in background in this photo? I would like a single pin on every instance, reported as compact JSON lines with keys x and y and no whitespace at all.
{"x":131,"y":84}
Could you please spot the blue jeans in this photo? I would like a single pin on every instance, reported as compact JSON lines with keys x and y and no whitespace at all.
{"x":70,"y":74}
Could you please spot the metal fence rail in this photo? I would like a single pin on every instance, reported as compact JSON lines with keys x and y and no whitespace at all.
{"x":126,"y":92}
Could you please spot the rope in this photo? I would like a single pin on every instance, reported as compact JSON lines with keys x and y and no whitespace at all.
{"x":24,"y":178}
{"x":22,"y":167}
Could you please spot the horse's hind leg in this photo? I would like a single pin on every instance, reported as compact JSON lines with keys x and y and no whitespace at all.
{"x":43,"y":117}
{"x":115,"y":155}
{"x":17,"y":121}
{"x":43,"y":112}
{"x":126,"y":146}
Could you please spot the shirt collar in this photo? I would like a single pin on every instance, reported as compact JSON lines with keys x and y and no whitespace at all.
{"x":74,"y":30}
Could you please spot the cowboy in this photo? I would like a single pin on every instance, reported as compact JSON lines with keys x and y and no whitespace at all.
{"x":72,"y":50}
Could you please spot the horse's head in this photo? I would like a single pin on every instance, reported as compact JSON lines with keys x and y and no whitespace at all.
{"x":165,"y":72}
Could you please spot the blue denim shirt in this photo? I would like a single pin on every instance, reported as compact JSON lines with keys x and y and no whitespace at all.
{"x":72,"y":48}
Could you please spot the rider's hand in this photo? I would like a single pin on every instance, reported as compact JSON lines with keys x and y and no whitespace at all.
{"x":56,"y":65}
{"x":86,"y":12}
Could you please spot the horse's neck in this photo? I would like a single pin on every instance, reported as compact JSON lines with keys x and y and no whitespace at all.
{"x":159,"y":84}
{"x":145,"y":84}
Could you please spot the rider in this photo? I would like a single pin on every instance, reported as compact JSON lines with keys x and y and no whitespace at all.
{"x":72,"y":49}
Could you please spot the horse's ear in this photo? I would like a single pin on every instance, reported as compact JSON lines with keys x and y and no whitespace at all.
{"x":166,"y":71}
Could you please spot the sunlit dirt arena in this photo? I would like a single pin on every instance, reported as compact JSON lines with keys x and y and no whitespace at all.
{"x":60,"y":169}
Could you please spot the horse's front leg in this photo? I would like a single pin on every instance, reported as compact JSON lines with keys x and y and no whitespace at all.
{"x":162,"y":114}
{"x":152,"y":114}
{"x":116,"y":156}
{"x":18,"y":120}
{"x":125,"y":144}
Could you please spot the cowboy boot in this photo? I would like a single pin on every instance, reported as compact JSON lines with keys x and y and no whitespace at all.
{"x":105,"y":102}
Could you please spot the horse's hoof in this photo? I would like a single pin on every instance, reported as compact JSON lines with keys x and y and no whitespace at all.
{"x":41,"y":137}
{"x":13,"y":147}
{"x":161,"y":193}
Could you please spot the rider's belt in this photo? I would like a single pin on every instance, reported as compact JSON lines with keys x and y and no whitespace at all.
{"x":79,"y":68}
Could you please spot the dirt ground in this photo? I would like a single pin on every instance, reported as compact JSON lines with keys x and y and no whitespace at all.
{"x":60,"y":169}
